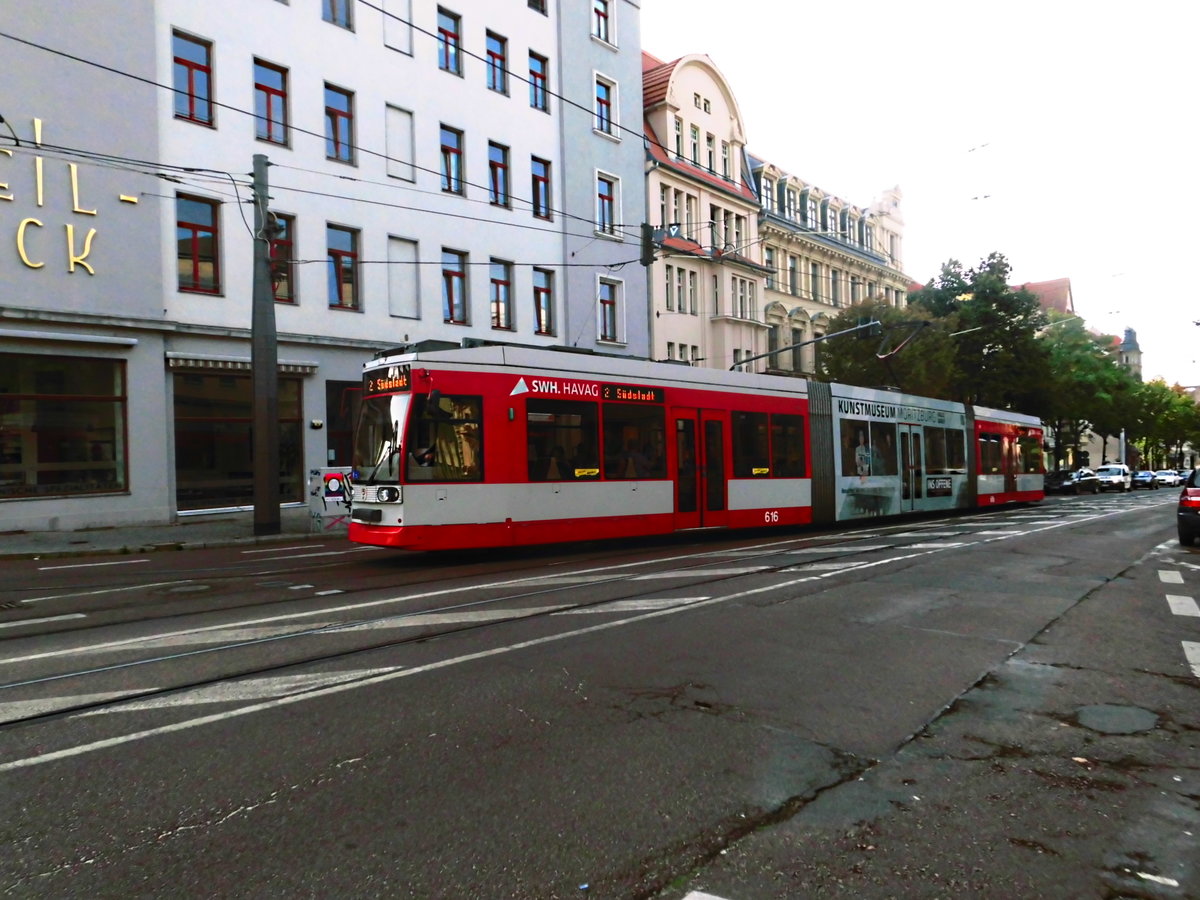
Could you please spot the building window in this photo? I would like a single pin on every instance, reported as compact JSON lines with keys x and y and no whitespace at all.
{"x":452,"y":157}
{"x":695,"y":135}
{"x":454,"y":287}
{"x":710,"y":151}
{"x":449,"y":42}
{"x":193,"y":79}
{"x":835,"y":287}
{"x":214,"y":422}
{"x":793,"y":285}
{"x":601,"y":26}
{"x":501,"y":295}
{"x":769,"y":262}
{"x":543,"y":300}
{"x":62,"y":426}
{"x":678,"y":138}
{"x":670,"y":288}
{"x":814,"y":280}
{"x":338,"y":12}
{"x":339,"y":124}
{"x":270,"y":103}
{"x":342,"y":250}
{"x":768,"y":194}
{"x":605,"y":95}
{"x":606,"y":204}
{"x":725,"y":170}
{"x":540,"y":174}
{"x":497,"y":63}
{"x":610,"y":312}
{"x":283,"y":262}
{"x":539,"y":82}
{"x":670,"y":349}
{"x":197,"y":237}
{"x":538,"y":5}
{"x":498,"y":189}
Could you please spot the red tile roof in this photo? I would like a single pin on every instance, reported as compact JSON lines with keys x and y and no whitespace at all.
{"x":1055,"y":294}
{"x":656,"y":77}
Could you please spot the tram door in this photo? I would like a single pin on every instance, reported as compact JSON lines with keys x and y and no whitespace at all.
{"x":699,"y":468}
{"x":912,"y":466}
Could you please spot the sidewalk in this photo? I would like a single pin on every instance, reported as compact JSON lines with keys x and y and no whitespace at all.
{"x":218,"y":529}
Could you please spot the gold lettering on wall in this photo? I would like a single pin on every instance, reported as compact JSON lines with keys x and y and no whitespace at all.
{"x":25,"y":223}
{"x":75,"y":191}
{"x":72,"y":258}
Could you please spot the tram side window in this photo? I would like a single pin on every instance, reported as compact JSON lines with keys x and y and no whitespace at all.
{"x":1031,"y":455}
{"x":445,"y":438}
{"x":787,"y":446}
{"x":868,"y":448}
{"x":751,"y":445}
{"x":562,"y":437}
{"x":944,"y":451}
{"x":634,"y":441}
{"x":990,"y":454}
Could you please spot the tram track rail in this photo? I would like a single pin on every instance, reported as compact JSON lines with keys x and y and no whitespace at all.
{"x":82,"y":675}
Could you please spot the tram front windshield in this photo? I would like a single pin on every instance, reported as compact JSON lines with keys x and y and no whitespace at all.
{"x":378,"y":455}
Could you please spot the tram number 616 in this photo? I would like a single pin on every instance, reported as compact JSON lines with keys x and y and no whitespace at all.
{"x":771,"y":517}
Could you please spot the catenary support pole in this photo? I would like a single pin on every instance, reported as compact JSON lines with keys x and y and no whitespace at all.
{"x":264,"y":362}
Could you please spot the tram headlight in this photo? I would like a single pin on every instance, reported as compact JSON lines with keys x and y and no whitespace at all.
{"x":388,"y":494}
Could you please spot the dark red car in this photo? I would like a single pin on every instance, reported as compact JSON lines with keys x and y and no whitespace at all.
{"x":1188,"y":514}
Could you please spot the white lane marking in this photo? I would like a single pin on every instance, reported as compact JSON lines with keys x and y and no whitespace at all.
{"x":938,"y":545}
{"x":700,"y":895}
{"x":43,"y":619}
{"x":630,"y":606}
{"x":124,"y":562}
{"x":1183,"y":606}
{"x":241,"y":691}
{"x":563,"y":579}
{"x":329,"y":593}
{"x":314,"y":555}
{"x":1157,"y":879}
{"x":864,"y":549}
{"x":81,"y":749}
{"x":132,"y":587}
{"x":832,"y":566}
{"x":1169,"y":576}
{"x":282,"y":549}
{"x":1192,"y":651}
{"x":693,"y":573}
{"x":23,"y":709}
{"x":999,"y":533}
{"x":299,"y":587}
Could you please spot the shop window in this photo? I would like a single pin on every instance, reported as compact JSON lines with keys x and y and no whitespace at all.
{"x":62,"y":426}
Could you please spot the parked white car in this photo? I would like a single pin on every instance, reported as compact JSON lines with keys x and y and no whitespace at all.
{"x":1115,"y":477}
{"x":1168,"y":477}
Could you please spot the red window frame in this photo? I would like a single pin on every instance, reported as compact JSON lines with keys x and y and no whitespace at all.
{"x":454,"y":297}
{"x":192,"y":90}
{"x":600,"y":19}
{"x":539,"y":81}
{"x":497,"y":62}
{"x":501,"y":295}
{"x":266,"y":97}
{"x":608,"y":310}
{"x":343,"y":268}
{"x":452,"y":156}
{"x":190,"y":236}
{"x":283,"y":266}
{"x":540,"y":189}
{"x":604,"y":120}
{"x":605,"y":205}
{"x":339,"y":125}
{"x":498,"y":192}
{"x":449,"y":42}
{"x":543,"y":300}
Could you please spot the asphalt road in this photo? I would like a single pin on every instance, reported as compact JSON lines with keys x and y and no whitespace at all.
{"x":989,"y":706}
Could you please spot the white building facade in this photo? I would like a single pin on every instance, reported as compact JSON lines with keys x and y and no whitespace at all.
{"x":418,"y":191}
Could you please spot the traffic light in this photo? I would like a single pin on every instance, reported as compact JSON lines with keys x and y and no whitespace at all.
{"x":647,"y":244}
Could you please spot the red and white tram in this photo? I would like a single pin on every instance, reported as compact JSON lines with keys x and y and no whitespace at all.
{"x":504,"y":445}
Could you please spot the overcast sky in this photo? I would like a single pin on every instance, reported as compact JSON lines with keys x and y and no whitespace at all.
{"x":1059,"y":133}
